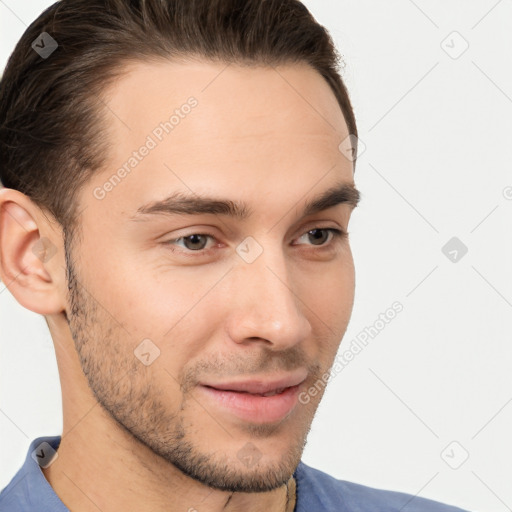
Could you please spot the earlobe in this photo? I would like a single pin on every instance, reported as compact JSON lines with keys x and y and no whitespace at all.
{"x":28,"y":256}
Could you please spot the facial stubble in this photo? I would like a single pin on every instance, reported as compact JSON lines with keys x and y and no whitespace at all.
{"x":123,"y":387}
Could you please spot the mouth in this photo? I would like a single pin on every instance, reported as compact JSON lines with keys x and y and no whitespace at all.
{"x":267,"y":394}
{"x":262,"y":386}
{"x":257,"y":401}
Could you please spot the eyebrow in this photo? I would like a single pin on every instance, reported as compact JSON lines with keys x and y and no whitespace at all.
{"x":181,"y":203}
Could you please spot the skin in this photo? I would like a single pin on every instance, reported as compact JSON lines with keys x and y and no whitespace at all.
{"x":144,"y":438}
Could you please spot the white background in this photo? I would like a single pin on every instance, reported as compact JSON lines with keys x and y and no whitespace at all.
{"x":437,"y":131}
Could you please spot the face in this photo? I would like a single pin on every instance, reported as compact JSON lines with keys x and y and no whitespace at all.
{"x":172,"y":300}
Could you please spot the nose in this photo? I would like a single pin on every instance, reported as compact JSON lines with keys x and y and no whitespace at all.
{"x":265,"y":305}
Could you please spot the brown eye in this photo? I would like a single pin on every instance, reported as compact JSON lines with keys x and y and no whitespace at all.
{"x":318,"y":236}
{"x":196,"y":242}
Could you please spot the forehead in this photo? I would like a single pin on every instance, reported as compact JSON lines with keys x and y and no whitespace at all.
{"x":257,"y":127}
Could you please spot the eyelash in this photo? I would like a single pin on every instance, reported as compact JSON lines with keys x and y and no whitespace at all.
{"x":337,"y":234}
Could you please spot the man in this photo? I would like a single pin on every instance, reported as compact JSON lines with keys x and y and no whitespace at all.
{"x":130,"y":133}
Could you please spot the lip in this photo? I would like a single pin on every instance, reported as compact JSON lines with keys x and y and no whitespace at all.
{"x":261,"y":385}
{"x":244,"y":399}
{"x":253,"y":408}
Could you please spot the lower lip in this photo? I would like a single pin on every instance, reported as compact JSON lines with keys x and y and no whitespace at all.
{"x":255,"y":408}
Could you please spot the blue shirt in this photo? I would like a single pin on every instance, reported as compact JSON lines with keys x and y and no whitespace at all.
{"x":29,"y":491}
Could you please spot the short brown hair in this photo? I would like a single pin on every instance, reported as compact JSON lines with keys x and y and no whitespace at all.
{"x":51,"y":116}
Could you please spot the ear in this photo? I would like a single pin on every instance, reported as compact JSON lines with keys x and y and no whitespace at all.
{"x":32,"y":263}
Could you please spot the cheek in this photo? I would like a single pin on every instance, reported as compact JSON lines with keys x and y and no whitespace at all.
{"x":135,"y":296}
{"x":329,"y":291}
{"x":330,"y":300}
{"x":344,"y":281}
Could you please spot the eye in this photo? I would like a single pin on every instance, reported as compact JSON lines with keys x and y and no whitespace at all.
{"x":196,"y":242}
{"x":317,"y":236}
